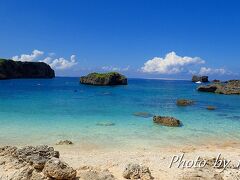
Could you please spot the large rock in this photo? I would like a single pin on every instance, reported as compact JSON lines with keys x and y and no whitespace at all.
{"x":54,"y":168}
{"x":167,"y":121}
{"x":33,"y":163}
{"x":199,"y":78}
{"x":10,"y":69}
{"x":230,"y":87}
{"x":36,"y":156}
{"x":104,"y":79}
{"x":135,"y":171}
{"x":208,"y":88}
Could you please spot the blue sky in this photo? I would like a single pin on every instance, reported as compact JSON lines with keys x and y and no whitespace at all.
{"x":160,"y":39}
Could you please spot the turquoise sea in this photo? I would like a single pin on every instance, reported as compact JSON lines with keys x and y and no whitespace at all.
{"x":44,"y":111}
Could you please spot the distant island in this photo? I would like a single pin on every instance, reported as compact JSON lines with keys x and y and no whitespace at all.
{"x":10,"y":69}
{"x":104,"y":79}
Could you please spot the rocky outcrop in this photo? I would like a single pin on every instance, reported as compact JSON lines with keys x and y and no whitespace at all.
{"x":184,"y":102}
{"x":167,"y":121}
{"x":135,"y":171}
{"x":199,"y":78}
{"x":104,"y":79}
{"x":10,"y":69}
{"x":216,"y":81}
{"x":33,"y":162}
{"x":54,"y":168}
{"x":209,"y":88}
{"x":229,"y":87}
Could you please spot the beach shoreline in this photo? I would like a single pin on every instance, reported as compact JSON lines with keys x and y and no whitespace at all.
{"x":157,"y":159}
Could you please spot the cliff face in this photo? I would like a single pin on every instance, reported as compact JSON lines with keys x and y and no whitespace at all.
{"x":104,"y":79}
{"x":10,"y":69}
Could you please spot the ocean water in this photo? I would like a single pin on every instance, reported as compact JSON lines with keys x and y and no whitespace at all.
{"x":43,"y":111}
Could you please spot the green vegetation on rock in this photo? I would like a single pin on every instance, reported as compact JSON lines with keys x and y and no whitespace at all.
{"x":103,"y":79}
{"x":10,"y":69}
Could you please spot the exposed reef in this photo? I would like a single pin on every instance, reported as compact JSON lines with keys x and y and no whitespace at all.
{"x":229,"y":87}
{"x":184,"y":102}
{"x":167,"y":121}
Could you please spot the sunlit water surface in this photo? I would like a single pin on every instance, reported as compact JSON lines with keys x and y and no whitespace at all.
{"x":45,"y":111}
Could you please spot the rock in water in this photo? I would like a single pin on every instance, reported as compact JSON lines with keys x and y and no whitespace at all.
{"x":143,"y":114}
{"x":211,"y":108}
{"x":64,"y":142}
{"x":135,"y":171}
{"x":184,"y":102}
{"x":230,"y":87}
{"x":199,"y":78}
{"x":208,"y":88}
{"x":104,"y":79}
{"x":54,"y":168}
{"x":105,"y":124}
{"x":10,"y":69}
{"x":167,"y":121}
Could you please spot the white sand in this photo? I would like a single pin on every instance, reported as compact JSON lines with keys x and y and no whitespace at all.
{"x":158,"y":160}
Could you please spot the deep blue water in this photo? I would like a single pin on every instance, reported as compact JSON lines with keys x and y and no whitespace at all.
{"x":44,"y":111}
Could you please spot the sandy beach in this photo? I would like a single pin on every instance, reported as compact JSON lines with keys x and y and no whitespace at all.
{"x":158,"y":160}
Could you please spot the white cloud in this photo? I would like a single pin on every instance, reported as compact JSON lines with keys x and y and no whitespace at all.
{"x":26,"y":57}
{"x":208,"y":71}
{"x":170,"y":64}
{"x":111,"y":68}
{"x":57,"y":63}
{"x":61,"y":63}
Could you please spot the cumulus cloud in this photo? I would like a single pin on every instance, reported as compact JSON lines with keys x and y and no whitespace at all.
{"x":61,"y":63}
{"x":28,"y":57}
{"x":111,"y":68}
{"x":170,"y":64}
{"x":208,"y":71}
{"x":56,"y":63}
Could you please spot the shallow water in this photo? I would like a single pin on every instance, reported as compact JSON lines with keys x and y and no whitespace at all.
{"x":45,"y":111}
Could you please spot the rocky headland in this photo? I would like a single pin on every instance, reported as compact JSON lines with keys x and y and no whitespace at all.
{"x":10,"y":69}
{"x":229,"y":87}
{"x":104,"y":79}
{"x":200,"y":78}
